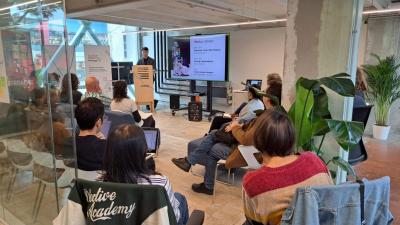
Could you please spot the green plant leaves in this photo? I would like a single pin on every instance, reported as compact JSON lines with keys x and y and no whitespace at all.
{"x":320,"y":127}
{"x":339,"y":83}
{"x":344,"y":165}
{"x":321,"y":108}
{"x":383,"y":81}
{"x":347,"y":133}
{"x":303,"y":107}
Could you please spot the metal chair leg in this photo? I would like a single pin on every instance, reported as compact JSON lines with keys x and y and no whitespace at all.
{"x":215,"y":179}
{"x":39,"y":203}
{"x":229,"y":175}
{"x":36,"y":198}
{"x":11,"y":184}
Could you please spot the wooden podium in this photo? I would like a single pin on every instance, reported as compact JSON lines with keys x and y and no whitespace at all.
{"x":144,"y":88}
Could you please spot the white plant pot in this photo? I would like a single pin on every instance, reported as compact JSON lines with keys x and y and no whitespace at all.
{"x":380,"y":132}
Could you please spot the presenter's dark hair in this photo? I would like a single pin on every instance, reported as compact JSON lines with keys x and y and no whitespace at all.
{"x":274,"y":134}
{"x":120,"y":90}
{"x":88,"y":112}
{"x":125,"y":156}
{"x":253,"y":91}
{"x":145,"y":49}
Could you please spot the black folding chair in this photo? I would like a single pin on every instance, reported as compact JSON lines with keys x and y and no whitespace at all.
{"x":359,"y":153}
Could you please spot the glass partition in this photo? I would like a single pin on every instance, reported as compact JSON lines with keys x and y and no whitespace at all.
{"x":36,"y":119}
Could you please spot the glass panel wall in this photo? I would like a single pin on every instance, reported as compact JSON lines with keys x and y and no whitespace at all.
{"x":36,"y":125}
{"x":123,"y":42}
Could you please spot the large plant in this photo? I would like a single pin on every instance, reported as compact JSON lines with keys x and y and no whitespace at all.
{"x":312,"y":118}
{"x":384,"y":86}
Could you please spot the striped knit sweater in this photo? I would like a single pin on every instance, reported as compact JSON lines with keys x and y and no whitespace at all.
{"x":164,"y":181}
{"x":267,"y":192}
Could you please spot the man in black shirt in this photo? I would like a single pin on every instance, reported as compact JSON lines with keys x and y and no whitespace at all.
{"x":147,"y":60}
{"x":90,"y":143}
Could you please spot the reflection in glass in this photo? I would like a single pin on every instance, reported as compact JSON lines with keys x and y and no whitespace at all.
{"x":36,"y":150}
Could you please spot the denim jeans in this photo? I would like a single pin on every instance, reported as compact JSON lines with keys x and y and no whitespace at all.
{"x":208,"y":153}
{"x":340,"y":204}
{"x":183,"y":208}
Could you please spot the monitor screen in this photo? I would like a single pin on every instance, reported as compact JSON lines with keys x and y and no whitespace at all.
{"x":199,"y":57}
{"x":105,"y":128}
{"x":253,"y":82}
{"x":151,"y":139}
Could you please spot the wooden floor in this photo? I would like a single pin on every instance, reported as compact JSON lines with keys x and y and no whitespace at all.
{"x":383,"y":160}
{"x":226,"y":207}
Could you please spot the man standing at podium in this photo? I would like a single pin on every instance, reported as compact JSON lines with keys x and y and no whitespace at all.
{"x":147,"y":60}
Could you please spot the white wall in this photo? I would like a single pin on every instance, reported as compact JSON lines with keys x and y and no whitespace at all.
{"x":255,"y":53}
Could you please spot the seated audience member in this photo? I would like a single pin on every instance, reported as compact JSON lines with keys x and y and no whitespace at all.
{"x":124,"y":162}
{"x":90,"y":143}
{"x":76,"y":95}
{"x":39,"y":100}
{"x":245,"y":112}
{"x":268,"y":191}
{"x":38,"y":111}
{"x":123,"y":103}
{"x":211,"y":150}
{"x":361,"y":88}
{"x":54,"y":81}
{"x":273,"y":78}
{"x":93,"y":89}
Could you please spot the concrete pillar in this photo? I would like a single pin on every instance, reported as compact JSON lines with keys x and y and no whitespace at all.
{"x":321,"y":39}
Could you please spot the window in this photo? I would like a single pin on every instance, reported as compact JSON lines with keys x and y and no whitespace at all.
{"x":125,"y":47}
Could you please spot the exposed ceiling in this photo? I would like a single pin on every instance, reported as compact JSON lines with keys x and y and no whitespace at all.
{"x":164,"y":14}
{"x":167,"y":14}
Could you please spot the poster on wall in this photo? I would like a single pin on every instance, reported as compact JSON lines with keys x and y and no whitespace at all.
{"x":4,"y":96}
{"x":21,"y":78}
{"x":98,"y":64}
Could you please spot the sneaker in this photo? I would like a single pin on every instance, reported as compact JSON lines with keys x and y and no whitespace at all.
{"x":201,"y":188}
{"x":182,"y":163}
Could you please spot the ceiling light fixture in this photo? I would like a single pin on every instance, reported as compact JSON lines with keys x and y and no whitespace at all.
{"x":17,"y":5}
{"x":381,"y":11}
{"x":34,"y":7}
{"x":227,"y":25}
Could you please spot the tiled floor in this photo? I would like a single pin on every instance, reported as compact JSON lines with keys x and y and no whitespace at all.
{"x":225,"y":208}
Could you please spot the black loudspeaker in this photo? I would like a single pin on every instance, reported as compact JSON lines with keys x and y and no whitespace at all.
{"x":174,"y":102}
{"x":195,"y":111}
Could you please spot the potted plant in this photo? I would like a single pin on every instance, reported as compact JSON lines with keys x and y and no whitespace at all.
{"x":311,"y":118}
{"x":383,"y":81}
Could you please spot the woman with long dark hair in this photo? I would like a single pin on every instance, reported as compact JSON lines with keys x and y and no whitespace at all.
{"x":122,"y":103}
{"x":125,"y":162}
{"x":76,"y":95}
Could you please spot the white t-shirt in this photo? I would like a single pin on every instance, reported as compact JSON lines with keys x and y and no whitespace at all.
{"x":126,"y":105}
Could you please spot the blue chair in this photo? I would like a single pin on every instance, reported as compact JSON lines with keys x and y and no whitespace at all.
{"x":119,"y":118}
